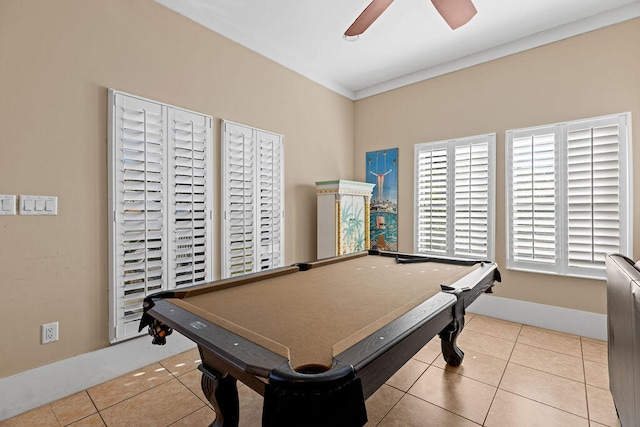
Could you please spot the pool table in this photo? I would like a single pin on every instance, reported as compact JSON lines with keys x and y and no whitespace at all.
{"x":316,"y":339}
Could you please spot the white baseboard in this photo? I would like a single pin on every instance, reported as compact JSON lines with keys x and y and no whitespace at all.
{"x":30,"y":389}
{"x":583,"y":323}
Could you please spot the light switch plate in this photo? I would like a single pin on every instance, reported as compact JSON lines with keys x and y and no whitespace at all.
{"x":7,"y":204}
{"x":38,"y":205}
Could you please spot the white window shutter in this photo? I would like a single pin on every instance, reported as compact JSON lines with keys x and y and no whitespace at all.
{"x":238,"y":194}
{"x":533,"y":197}
{"x":271,"y":198}
{"x":160,"y":196}
{"x":569,"y":196}
{"x":138,"y":226}
{"x":593,"y":187}
{"x":190,"y":181}
{"x":253,"y":200}
{"x":431,"y":193}
{"x":472,"y":194}
{"x":455,"y":197}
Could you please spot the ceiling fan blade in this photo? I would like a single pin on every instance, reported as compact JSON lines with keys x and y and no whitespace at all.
{"x":366,"y":18}
{"x":456,"y":13}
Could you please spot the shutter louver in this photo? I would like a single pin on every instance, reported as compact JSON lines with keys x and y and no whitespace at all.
{"x":533,"y":198}
{"x":432,"y":200}
{"x":270,"y":200}
{"x":471,"y":195}
{"x":139,"y":207}
{"x":189,"y":184}
{"x":593,"y":193}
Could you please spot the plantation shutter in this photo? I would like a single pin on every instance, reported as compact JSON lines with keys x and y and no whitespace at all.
{"x":238,"y":180}
{"x":431,"y":190}
{"x":472,"y":200}
{"x":454,"y":190}
{"x":593,"y":181}
{"x":271,"y":207}
{"x":190,"y":204}
{"x":253,"y":200}
{"x":159,"y":200}
{"x":533,"y":197}
{"x":139,"y":226}
{"x":569,"y":196}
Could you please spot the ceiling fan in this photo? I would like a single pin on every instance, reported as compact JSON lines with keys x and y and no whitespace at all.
{"x":455,"y":12}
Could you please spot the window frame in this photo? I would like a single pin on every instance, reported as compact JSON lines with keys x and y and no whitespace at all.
{"x":561,"y":266}
{"x":450,"y":147}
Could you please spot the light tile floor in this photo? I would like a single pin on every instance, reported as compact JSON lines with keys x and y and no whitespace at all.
{"x":512,"y":375}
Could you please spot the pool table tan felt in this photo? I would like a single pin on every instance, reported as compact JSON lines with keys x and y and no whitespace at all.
{"x":311,"y":316}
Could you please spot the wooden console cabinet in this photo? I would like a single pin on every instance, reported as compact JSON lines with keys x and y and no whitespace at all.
{"x":343,"y":217}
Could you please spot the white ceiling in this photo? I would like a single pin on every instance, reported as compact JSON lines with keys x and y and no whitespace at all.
{"x":408,"y":43}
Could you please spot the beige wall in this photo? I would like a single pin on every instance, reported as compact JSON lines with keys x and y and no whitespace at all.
{"x":57,"y":59}
{"x":590,"y":75}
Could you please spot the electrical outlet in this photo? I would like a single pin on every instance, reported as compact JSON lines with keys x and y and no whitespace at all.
{"x":49,"y":332}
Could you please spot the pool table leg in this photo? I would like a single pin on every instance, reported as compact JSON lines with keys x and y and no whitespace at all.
{"x":449,"y":335}
{"x":222,"y":392}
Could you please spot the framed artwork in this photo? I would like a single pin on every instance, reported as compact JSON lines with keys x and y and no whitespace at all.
{"x":382,"y":171}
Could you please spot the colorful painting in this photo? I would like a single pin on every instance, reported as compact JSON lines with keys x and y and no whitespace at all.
{"x":382,"y":170}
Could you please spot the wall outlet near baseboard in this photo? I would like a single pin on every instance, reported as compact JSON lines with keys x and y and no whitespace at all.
{"x":49,"y":332}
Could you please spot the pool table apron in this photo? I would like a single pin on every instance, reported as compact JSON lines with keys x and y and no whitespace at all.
{"x":311,"y":316}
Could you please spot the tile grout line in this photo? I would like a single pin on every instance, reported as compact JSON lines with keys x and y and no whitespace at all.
{"x":448,"y":410}
{"x":94,"y":407}
{"x":172,"y":377}
{"x":528,"y":367}
{"x":404,"y":393}
{"x":502,"y":376}
{"x":134,"y":395}
{"x":548,"y":373}
{"x":204,"y":404}
{"x":584,"y":372}
{"x":545,"y":404}
{"x":534,"y":400}
{"x":484,"y":421}
{"x":193,"y":392}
